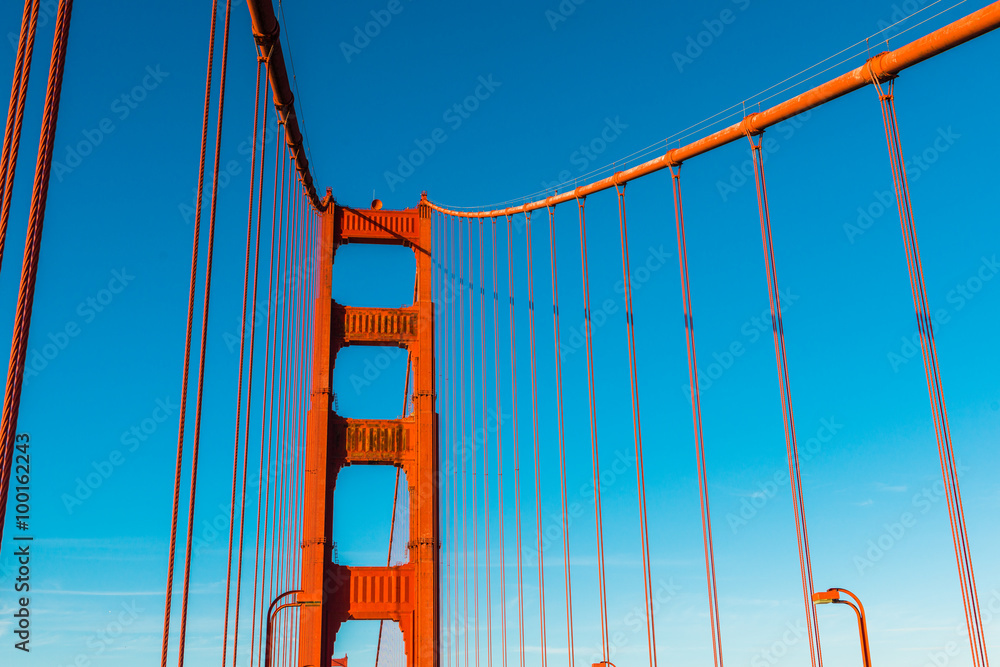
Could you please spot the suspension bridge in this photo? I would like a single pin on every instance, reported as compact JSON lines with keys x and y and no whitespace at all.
{"x":479,"y":568}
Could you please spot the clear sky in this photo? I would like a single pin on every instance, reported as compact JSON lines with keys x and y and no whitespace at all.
{"x":565,"y":88}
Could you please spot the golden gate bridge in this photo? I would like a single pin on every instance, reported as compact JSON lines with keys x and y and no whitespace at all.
{"x":447,"y":444}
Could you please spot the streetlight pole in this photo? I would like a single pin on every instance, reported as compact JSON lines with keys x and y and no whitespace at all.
{"x":833,"y":595}
{"x":271,"y":613}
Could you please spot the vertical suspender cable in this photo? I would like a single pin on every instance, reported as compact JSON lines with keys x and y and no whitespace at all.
{"x":276,"y":371}
{"x":795,"y":477}
{"x":246,"y":425}
{"x":562,"y":438}
{"x":486,"y":470}
{"x":32,"y":251}
{"x":472,"y":455}
{"x":264,"y":481}
{"x":446,"y":367}
{"x":514,"y":440}
{"x":395,"y":492}
{"x":706,"y":521}
{"x":949,"y":471}
{"x":456,"y":437}
{"x":465,"y":451}
{"x":15,"y":115}
{"x":204,"y":336}
{"x":534,"y":419}
{"x":239,"y":382}
{"x":595,"y":453}
{"x":498,"y":413}
{"x":637,"y":428}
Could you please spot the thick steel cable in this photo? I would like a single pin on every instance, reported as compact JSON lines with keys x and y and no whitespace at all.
{"x":204,"y":339}
{"x":534,"y":424}
{"x":15,"y":117}
{"x":187,"y":339}
{"x":515,"y":439}
{"x":794,"y":473}
{"x":239,"y":381}
{"x":262,"y":493}
{"x":595,"y":452}
{"x":647,"y":578}
{"x":562,"y":435}
{"x":706,"y":520}
{"x":486,"y":470}
{"x":32,"y":251}
{"x":949,"y":472}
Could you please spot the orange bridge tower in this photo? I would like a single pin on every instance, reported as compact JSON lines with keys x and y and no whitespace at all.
{"x":407,"y":593}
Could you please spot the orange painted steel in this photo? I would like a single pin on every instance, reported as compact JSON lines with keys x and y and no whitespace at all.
{"x":266,"y":32}
{"x":883,"y":65}
{"x":407,"y":593}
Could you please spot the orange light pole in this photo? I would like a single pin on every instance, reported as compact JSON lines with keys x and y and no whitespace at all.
{"x":833,"y":595}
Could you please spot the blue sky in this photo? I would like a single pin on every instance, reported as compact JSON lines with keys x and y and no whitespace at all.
{"x":623,"y":73}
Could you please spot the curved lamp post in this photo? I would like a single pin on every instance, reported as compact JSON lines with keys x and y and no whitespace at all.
{"x":833,"y":595}
{"x":271,"y":613}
